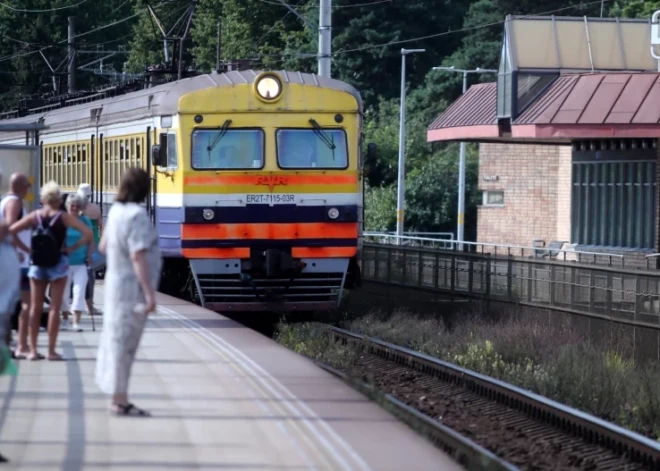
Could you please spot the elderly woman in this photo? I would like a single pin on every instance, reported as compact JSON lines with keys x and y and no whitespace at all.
{"x":79,"y":260}
{"x":130,"y":243}
{"x":50,"y":262}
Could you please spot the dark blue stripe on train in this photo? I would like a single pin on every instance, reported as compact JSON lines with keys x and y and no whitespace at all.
{"x":266,"y":243}
{"x":262,"y":213}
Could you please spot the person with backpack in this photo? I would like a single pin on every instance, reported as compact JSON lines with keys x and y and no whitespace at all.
{"x":49,"y":262}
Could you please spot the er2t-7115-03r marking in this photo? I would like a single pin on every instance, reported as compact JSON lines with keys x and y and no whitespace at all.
{"x":270,"y":199}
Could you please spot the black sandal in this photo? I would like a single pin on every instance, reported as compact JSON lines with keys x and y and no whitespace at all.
{"x":129,"y":410}
{"x":3,"y":459}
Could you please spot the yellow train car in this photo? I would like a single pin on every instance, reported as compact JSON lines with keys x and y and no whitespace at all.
{"x":257,"y":190}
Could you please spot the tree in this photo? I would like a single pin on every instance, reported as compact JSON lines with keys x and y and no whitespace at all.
{"x":380,"y":204}
{"x":27,"y":35}
{"x":634,"y":8}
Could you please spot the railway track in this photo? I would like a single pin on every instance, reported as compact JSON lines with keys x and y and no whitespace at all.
{"x":521,"y":428}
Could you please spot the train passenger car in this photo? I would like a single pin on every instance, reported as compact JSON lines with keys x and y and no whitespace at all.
{"x":257,"y":180}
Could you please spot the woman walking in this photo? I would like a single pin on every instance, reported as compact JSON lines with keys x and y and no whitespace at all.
{"x":130,"y":243}
{"x":79,"y":260}
{"x":50,"y":262}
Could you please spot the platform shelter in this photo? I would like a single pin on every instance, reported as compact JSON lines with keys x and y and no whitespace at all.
{"x":568,"y":136}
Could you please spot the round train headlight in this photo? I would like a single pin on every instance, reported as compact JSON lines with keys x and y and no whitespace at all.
{"x":208,"y":214}
{"x":333,"y":213}
{"x":269,"y":87}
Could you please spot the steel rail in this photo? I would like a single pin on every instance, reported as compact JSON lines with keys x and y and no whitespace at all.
{"x":460,"y":448}
{"x":591,"y":429}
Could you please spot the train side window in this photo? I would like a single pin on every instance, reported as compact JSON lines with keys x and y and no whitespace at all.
{"x":79,"y":171}
{"x":83,"y":165}
{"x":106,"y":160}
{"x":47,"y":164}
{"x":115,"y":164}
{"x":58,"y":164}
{"x":138,"y":151}
{"x":131,"y":146}
{"x":67,"y":165}
{"x":172,"y":159}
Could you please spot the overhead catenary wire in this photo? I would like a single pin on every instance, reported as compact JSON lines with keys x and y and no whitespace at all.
{"x":366,"y":4}
{"x":461,"y":30}
{"x":302,"y":55}
{"x":44,"y":10}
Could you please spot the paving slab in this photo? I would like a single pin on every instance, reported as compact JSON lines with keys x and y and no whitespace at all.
{"x":222,"y":397}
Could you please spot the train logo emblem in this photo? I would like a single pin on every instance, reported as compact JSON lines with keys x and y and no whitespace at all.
{"x":271,"y":181}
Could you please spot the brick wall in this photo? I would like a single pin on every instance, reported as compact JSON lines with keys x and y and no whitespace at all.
{"x":536,"y":184}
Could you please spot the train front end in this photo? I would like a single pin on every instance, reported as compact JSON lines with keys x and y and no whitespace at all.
{"x":272,"y":192}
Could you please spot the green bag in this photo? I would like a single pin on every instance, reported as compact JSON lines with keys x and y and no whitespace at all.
{"x":7,"y":365}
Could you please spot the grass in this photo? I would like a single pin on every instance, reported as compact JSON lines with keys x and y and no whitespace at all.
{"x":554,"y":360}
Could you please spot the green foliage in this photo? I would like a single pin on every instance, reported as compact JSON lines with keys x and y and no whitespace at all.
{"x":551,"y":359}
{"x":381,"y":215}
{"x":465,"y":34}
{"x":634,"y":8}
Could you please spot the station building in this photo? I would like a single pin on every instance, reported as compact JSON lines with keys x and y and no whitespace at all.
{"x":568,"y":136}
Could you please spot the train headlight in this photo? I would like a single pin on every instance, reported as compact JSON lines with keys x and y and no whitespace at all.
{"x":208,"y":214}
{"x":268,"y":87}
{"x":333,"y":213}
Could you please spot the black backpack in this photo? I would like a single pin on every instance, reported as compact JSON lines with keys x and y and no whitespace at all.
{"x":46,"y":251}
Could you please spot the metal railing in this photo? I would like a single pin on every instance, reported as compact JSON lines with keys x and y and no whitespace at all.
{"x":626,"y":296}
{"x":410,"y":241}
{"x":519,"y":251}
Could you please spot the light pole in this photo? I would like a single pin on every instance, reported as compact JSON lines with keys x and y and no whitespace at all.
{"x":400,"y":200}
{"x":460,"y":219}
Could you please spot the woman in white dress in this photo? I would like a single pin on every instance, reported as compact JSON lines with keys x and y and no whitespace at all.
{"x":130,"y":243}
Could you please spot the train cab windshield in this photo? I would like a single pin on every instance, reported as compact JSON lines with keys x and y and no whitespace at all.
{"x":227,"y":149}
{"x":312,"y":148}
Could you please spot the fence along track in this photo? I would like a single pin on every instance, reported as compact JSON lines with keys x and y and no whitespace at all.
{"x":590,"y":429}
{"x":625,"y":296}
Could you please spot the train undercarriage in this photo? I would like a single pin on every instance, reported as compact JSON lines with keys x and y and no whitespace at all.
{"x":270,"y":280}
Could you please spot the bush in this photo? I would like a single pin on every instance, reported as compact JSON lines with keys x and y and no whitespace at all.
{"x":551,"y":359}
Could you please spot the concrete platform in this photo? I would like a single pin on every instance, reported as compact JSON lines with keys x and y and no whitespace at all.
{"x":223,"y":397}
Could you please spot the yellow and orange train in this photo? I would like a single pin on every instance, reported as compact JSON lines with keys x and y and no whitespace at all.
{"x":257,"y":189}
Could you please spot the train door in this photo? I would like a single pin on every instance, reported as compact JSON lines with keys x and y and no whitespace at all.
{"x":153,"y":183}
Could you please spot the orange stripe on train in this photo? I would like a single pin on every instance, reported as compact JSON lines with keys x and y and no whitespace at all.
{"x":270,"y":180}
{"x":324,"y":252}
{"x":298,"y":252}
{"x":312,"y":230}
{"x":216,"y":253}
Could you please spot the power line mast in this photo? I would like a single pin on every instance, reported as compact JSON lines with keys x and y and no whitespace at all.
{"x":72,"y":54}
{"x":325,"y":38}
{"x":325,"y":34}
{"x":173,"y":38}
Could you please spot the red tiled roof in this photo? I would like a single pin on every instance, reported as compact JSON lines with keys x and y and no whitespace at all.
{"x":477,"y":106}
{"x":574,"y":106}
{"x":473,"y":115}
{"x":621,"y":98}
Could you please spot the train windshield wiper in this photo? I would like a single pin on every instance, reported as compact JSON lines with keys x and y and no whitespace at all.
{"x":221,"y":134}
{"x":327,"y":140}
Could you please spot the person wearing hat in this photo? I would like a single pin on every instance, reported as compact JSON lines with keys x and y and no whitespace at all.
{"x":93,"y":212}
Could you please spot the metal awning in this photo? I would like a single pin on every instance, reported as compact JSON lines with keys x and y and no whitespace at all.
{"x":577,"y":106}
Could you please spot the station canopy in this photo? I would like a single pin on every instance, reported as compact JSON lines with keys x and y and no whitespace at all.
{"x":567,"y":78}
